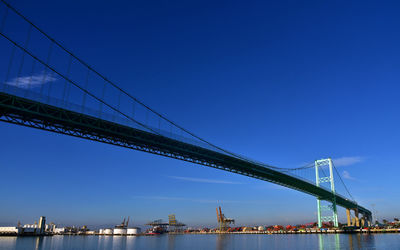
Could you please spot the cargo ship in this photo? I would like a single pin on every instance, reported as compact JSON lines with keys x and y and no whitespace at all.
{"x":155,"y":231}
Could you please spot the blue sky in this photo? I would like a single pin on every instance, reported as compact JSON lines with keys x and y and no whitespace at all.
{"x":283,"y":82}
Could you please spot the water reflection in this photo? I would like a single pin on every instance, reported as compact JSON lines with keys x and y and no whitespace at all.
{"x":119,"y":242}
{"x":222,"y":241}
{"x":8,"y":242}
{"x":131,"y":242}
{"x":171,"y":241}
{"x":351,"y":242}
{"x":321,"y":242}
{"x":329,"y":241}
{"x":358,"y":236}
{"x":212,"y":241}
{"x":337,"y":242}
{"x":369,"y":240}
{"x":360,"y":241}
{"x":38,"y":243}
{"x":105,"y":242}
{"x":354,"y":241}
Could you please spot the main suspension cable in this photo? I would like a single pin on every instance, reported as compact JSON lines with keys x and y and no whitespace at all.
{"x":347,"y":190}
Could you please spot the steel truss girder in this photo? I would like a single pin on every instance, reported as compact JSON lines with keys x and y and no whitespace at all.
{"x":33,"y":114}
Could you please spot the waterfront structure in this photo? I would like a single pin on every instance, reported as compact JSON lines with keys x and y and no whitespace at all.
{"x":31,"y":229}
{"x":107,"y":121}
{"x":108,"y":231}
{"x":173,"y":224}
{"x":10,"y":230}
{"x":42,"y":224}
{"x":157,"y":227}
{"x":133,"y":231}
{"x":120,"y":229}
{"x":59,"y":230}
{"x":223,"y":222}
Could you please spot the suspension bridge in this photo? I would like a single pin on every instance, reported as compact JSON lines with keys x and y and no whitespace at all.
{"x":44,"y":85}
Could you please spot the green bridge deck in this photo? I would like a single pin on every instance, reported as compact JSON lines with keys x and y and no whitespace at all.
{"x":34,"y":114}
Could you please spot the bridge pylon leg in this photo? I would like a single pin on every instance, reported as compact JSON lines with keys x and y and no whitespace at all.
{"x":318,"y":180}
{"x":318,"y":200}
{"x":319,"y":212}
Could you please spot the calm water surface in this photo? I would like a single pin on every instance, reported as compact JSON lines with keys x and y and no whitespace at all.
{"x":219,"y":242}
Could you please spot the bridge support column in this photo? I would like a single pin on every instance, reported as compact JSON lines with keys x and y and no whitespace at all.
{"x":369,"y":220}
{"x":366,"y":220}
{"x":348,"y":217}
{"x":357,"y":218}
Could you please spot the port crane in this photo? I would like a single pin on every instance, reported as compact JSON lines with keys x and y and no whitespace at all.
{"x":223,"y":222}
{"x":174,"y":224}
{"x":123,"y":224}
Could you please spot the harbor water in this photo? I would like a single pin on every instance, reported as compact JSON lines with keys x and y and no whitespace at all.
{"x":208,"y":241}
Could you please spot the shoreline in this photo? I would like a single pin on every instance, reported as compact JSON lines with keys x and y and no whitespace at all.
{"x":329,"y":231}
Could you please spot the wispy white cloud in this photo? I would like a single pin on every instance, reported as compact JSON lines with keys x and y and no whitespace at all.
{"x":32,"y":81}
{"x":171,"y":198}
{"x":347,"y":161}
{"x":197,"y":200}
{"x":347,"y":175}
{"x":203,"y":180}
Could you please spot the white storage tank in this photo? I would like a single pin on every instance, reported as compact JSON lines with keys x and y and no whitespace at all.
{"x":16,"y":230}
{"x":133,"y":231}
{"x":101,"y":231}
{"x":108,"y":231}
{"x":261,"y":228}
{"x":119,"y":231}
{"x":58,"y":230}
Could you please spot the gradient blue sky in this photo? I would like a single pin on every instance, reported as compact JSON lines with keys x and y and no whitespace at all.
{"x":283,"y":82}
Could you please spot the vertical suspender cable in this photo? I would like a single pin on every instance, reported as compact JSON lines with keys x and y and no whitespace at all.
{"x":66,"y":85}
{"x":102,"y":98}
{"x":23,"y":57}
{"x":118,"y":106}
{"x":9,"y":67}
{"x":2,"y":24}
{"x":84,"y":93}
{"x":30,"y":79}
{"x":45,"y":68}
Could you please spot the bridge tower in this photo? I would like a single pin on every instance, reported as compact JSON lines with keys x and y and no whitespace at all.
{"x":318,"y":166}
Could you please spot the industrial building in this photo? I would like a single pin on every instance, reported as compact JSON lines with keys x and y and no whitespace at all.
{"x":40,"y":228}
{"x":174,"y":224}
{"x":121,"y":229}
{"x":159,"y":227}
{"x":10,"y":230}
